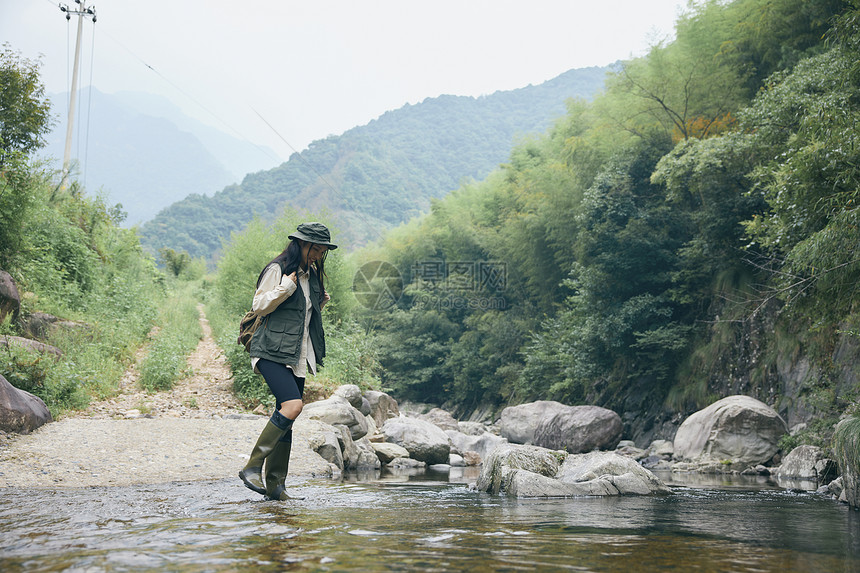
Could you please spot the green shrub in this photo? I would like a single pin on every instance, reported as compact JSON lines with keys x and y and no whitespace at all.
{"x":56,"y":382}
{"x":846,"y":442}
{"x":178,"y":335}
{"x":249,"y":388}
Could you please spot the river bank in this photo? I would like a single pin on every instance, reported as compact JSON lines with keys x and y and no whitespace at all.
{"x":197,"y":430}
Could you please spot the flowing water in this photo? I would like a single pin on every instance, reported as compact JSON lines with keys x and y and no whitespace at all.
{"x":424,"y":522}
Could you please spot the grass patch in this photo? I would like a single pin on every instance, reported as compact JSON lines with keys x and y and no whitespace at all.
{"x":846,"y":443}
{"x":178,"y":335}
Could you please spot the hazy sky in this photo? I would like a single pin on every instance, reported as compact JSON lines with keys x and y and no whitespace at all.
{"x":320,"y":67}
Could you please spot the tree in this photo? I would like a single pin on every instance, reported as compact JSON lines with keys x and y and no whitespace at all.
{"x":176,"y":262}
{"x":24,"y":110}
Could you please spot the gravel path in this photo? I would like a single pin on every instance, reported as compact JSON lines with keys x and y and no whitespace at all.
{"x":197,"y":431}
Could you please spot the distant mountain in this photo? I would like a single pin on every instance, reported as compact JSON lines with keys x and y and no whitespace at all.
{"x":141,"y":151}
{"x":380,"y":174}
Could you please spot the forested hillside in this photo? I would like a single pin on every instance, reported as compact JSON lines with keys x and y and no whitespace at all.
{"x":381,"y":174}
{"x":692,"y":233}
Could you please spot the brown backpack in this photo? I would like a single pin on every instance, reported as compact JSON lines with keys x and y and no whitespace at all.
{"x":247,"y":326}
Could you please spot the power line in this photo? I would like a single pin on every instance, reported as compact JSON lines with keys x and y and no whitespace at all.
{"x":194,"y":100}
{"x":320,"y":175}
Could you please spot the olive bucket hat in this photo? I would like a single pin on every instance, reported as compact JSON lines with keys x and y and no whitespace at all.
{"x":314,"y":233}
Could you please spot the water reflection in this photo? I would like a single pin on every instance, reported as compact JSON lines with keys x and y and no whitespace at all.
{"x":428,"y":521}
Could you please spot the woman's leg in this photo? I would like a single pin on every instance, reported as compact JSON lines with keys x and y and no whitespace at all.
{"x":288,"y":392}
{"x":278,"y":462}
{"x":286,"y":388}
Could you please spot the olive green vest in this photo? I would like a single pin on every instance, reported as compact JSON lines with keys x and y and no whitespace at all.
{"x":279,"y":337}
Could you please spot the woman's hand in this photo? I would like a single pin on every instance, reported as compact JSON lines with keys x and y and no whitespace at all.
{"x":325,"y":299}
{"x":292,"y":277}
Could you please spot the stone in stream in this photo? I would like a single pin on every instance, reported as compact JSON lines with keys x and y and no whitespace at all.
{"x":807,"y":463}
{"x":337,"y":410}
{"x":532,"y":471}
{"x":424,"y":441}
{"x":737,"y":429}
{"x":560,"y":427}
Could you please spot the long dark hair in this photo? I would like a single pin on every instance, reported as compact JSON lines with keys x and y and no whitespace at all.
{"x":289,"y":261}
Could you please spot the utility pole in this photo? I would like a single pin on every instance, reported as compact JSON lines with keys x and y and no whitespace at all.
{"x":83,"y":11}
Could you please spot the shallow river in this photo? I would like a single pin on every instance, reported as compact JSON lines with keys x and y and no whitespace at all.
{"x":423,"y":523}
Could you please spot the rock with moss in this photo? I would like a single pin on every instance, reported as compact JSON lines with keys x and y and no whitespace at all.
{"x":737,"y":430}
{"x":807,"y":463}
{"x":532,"y":471}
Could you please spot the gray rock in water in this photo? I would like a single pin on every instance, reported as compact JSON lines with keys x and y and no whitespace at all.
{"x":482,"y":444}
{"x":367,"y":458}
{"x":847,"y":459}
{"x":807,"y":463}
{"x":20,"y":411}
{"x":739,"y":429}
{"x":322,"y":438}
{"x":578,"y":429}
{"x":508,"y":457}
{"x":625,"y":475}
{"x":425,"y":442}
{"x":388,"y":452}
{"x":337,"y":410}
{"x":531,"y":471}
{"x":518,"y":423}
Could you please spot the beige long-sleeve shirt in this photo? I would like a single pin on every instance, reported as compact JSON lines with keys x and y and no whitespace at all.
{"x":275,"y":289}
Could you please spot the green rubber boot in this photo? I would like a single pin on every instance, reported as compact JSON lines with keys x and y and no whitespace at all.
{"x":252,"y":474}
{"x":277,"y":466}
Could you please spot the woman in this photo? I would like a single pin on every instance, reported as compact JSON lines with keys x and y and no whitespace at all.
{"x":289,"y":343}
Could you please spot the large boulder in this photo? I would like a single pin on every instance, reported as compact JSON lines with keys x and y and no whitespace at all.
{"x":20,"y":411}
{"x":382,"y":406}
{"x":739,"y":429}
{"x":531,"y":471}
{"x":518,"y":423}
{"x":10,"y":299}
{"x":509,"y":457}
{"x":337,"y":410}
{"x":578,"y":429}
{"x":424,"y":441}
{"x":807,"y":463}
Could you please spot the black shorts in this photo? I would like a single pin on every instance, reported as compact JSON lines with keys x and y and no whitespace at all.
{"x":282,"y":382}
